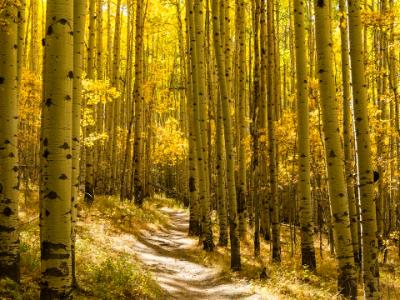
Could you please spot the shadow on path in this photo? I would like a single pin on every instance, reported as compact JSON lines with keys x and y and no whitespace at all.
{"x":167,"y":254}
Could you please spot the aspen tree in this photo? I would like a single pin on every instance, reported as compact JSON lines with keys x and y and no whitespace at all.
{"x":194,"y":221}
{"x":221,"y":175}
{"x":242,"y":184}
{"x":381,"y":49}
{"x":183,"y":96}
{"x":200,"y":112}
{"x":393,"y":80}
{"x":347,"y":137}
{"x":276,"y":42}
{"x":128,"y":111}
{"x":304,"y":191}
{"x":255,"y":127}
{"x":334,"y":153}
{"x":394,"y":119}
{"x":99,"y":108}
{"x":79,"y":44}
{"x":91,"y":54}
{"x":117,"y":45}
{"x":370,"y":266}
{"x":272,"y":146}
{"x":109,"y":186}
{"x":139,"y":102}
{"x":9,"y":235}
{"x":262,"y":130}
{"x":230,"y":173}
{"x":109,"y":40}
{"x":116,"y":106}
{"x":55,"y":191}
{"x":21,"y":40}
{"x":91,"y":63}
{"x":99,"y":39}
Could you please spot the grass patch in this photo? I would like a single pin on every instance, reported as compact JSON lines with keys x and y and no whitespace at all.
{"x":104,"y":274}
{"x":120,"y":278}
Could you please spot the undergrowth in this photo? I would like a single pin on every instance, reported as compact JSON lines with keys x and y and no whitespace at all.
{"x":124,"y":280}
{"x":102,"y":272}
{"x":290,"y":280}
{"x":127,"y":217}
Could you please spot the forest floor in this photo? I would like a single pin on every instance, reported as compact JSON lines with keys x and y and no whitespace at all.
{"x":123,"y":252}
{"x":156,"y":238}
{"x":168,"y":253}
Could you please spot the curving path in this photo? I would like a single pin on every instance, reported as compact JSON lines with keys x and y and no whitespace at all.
{"x":165,"y":253}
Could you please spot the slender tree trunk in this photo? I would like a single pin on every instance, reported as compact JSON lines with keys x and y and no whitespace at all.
{"x":21,"y":40}
{"x":255,"y":128}
{"x":365,"y":172}
{"x":272,"y":146}
{"x":262,"y":131}
{"x":9,"y":235}
{"x":91,"y":54}
{"x":230,"y":172}
{"x":89,"y":130}
{"x":242,"y":184}
{"x":194,"y":222}
{"x":347,"y":125}
{"x":97,"y":149}
{"x":99,"y":39}
{"x":334,"y":153}
{"x":79,"y":44}
{"x":221,"y":175}
{"x":115,"y":80}
{"x":56,"y":139}
{"x":183,"y":98}
{"x":109,"y":41}
{"x":201,"y":124}
{"x":304,"y":191}
{"x":139,"y":102}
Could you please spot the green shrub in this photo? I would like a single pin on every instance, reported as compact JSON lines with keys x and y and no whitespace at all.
{"x":120,"y":279}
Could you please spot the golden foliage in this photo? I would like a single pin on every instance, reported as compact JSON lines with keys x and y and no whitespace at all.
{"x":171,"y":146}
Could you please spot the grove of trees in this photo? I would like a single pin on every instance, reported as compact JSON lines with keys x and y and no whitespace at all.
{"x":257,"y":115}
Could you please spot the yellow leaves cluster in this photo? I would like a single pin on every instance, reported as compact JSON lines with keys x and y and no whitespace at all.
{"x":171,"y":146}
{"x":96,"y":91}
{"x":378,"y":19}
{"x":29,"y":112}
{"x":286,"y":135}
{"x":95,"y":138}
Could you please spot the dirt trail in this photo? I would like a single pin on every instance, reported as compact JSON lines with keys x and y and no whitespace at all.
{"x":165,"y":252}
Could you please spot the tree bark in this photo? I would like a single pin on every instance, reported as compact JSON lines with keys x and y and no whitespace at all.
{"x":370,"y":266}
{"x":334,"y":153}
{"x":56,"y":139}
{"x":304,"y":191}
{"x":9,"y":235}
